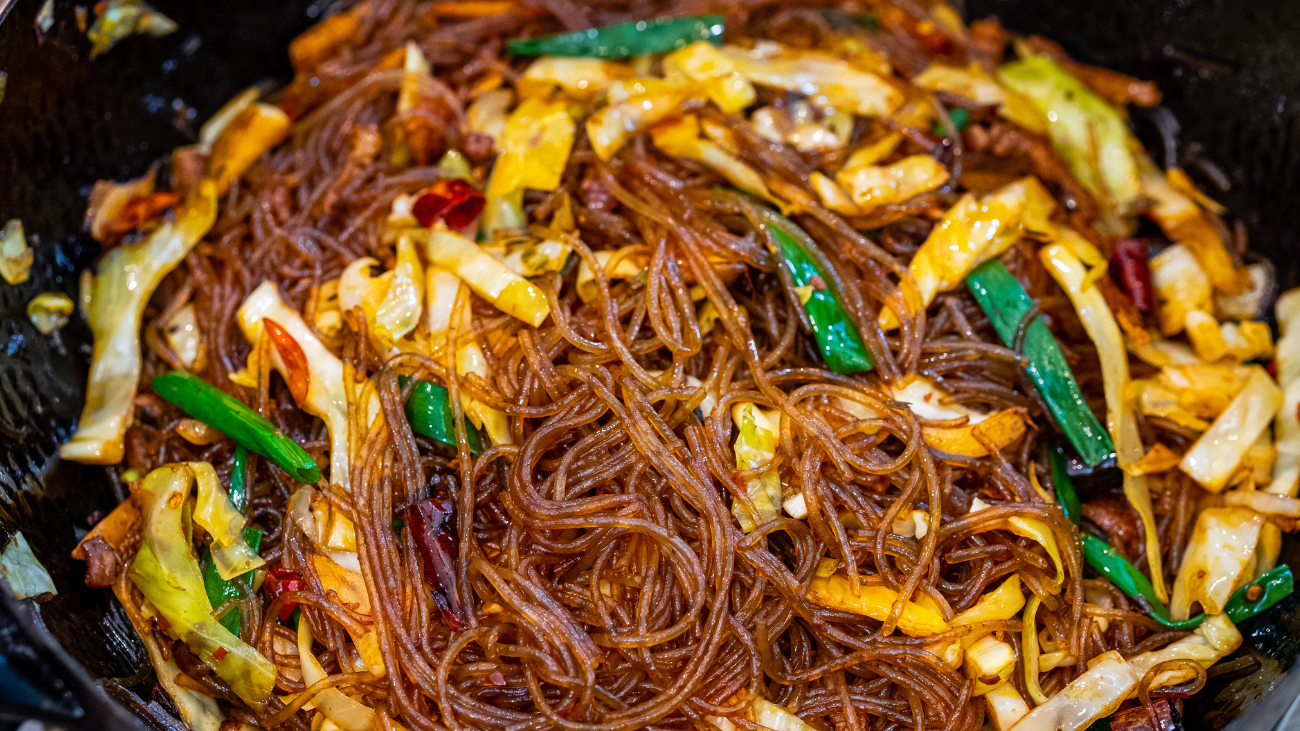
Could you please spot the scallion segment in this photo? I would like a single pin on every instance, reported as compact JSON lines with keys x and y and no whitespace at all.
{"x":838,"y":337}
{"x":1006,"y":303}
{"x":213,"y":407}
{"x":625,"y":39}
{"x":429,"y":413}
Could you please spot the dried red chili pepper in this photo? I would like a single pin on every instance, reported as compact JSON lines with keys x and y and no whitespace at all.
{"x":1131,"y":264}
{"x":454,"y":201}
{"x":280,"y":580}
{"x":430,"y":523}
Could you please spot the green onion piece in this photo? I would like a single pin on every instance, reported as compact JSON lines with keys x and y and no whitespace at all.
{"x":1109,"y":563}
{"x":1274,"y":586}
{"x":238,"y":490}
{"x":219,"y":589}
{"x":429,"y":412}
{"x":960,"y":118}
{"x":1065,"y":491}
{"x":837,"y":337}
{"x":213,"y":407}
{"x":1006,"y":304}
{"x":625,"y":39}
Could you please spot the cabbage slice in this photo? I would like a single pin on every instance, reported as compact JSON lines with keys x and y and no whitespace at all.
{"x":1216,"y":454}
{"x":114,"y":304}
{"x":326,"y":391}
{"x":1104,"y":331}
{"x":1089,"y":133}
{"x":1093,"y":695}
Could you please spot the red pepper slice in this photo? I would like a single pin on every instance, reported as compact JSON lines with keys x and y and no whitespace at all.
{"x":454,"y":201}
{"x":278,"y":581}
{"x":297,"y":374}
{"x":1131,"y":261}
{"x":430,"y":523}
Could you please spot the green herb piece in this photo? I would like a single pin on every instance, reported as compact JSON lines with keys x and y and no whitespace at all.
{"x":1007,"y":303}
{"x":625,"y":39}
{"x":213,"y":407}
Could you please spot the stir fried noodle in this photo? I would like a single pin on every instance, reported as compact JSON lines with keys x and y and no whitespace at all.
{"x":743,"y":408}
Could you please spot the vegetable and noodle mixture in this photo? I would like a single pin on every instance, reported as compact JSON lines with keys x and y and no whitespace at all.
{"x":709,"y":364}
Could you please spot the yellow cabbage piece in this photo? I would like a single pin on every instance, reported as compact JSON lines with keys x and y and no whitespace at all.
{"x":722,"y":82}
{"x":872,"y":186}
{"x":580,"y":78}
{"x":975,"y":84}
{"x":1181,"y":286}
{"x":1006,"y":706}
{"x":167,"y":573}
{"x":1218,"y":559}
{"x":114,"y":303}
{"x":1215,"y":638}
{"x":824,"y":79}
{"x":1087,"y":132}
{"x":1216,"y":454}
{"x":972,"y":232}
{"x":391,"y":302}
{"x":1286,"y":426}
{"x":755,"y":448}
{"x":1186,"y":224}
{"x":213,"y":511}
{"x":487,"y":276}
{"x":534,"y":148}
{"x":875,"y":601}
{"x":1093,"y":695}
{"x":1103,"y":330}
{"x":681,"y":138}
{"x":326,"y":391}
{"x":634,"y":106}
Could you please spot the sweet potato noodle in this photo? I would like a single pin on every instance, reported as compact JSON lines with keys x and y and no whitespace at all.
{"x":606,"y":584}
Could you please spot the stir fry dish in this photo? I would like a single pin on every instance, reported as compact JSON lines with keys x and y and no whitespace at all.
{"x":707,"y":364}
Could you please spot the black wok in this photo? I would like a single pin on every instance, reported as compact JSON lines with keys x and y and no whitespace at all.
{"x":1227,"y":70}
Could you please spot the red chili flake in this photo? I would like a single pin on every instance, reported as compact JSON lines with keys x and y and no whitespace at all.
{"x":454,"y":201}
{"x":430,"y":523}
{"x":280,"y":580}
{"x":1271,"y":367}
{"x":297,"y":375}
{"x":219,"y":654}
{"x":1131,"y":266}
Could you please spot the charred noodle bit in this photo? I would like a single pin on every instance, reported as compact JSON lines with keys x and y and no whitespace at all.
{"x":612,"y":446}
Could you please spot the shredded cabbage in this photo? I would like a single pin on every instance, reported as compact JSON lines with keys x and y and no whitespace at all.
{"x":1218,"y":558}
{"x":1100,"y":324}
{"x":1093,"y":695}
{"x":1215,"y":456}
{"x":755,"y":448}
{"x":1087,"y":132}
{"x":24,"y":572}
{"x":326,"y":391}
{"x":167,"y":573}
{"x":115,"y":302}
{"x":1286,"y":426}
